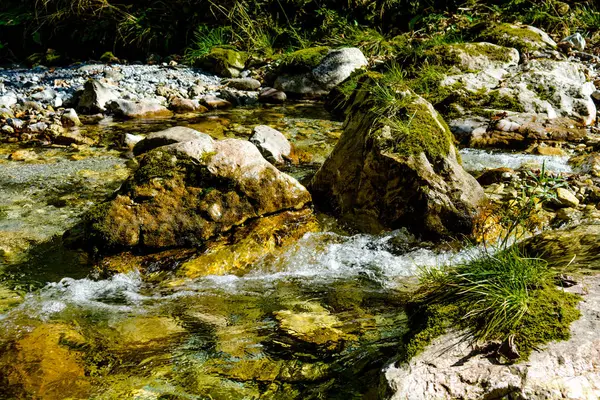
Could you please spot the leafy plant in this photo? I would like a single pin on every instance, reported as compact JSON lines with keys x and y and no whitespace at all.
{"x":205,"y":38}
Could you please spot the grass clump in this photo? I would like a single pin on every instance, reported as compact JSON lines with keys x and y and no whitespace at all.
{"x":205,"y":38}
{"x":506,"y":301}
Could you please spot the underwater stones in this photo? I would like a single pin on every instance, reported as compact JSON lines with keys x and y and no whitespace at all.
{"x":319,"y":328}
{"x":168,"y":136}
{"x":139,"y":109}
{"x":271,"y":143}
{"x":23,"y":155}
{"x":95,"y":97}
{"x":225,"y":62}
{"x":45,"y":364}
{"x":396,"y":173}
{"x":186,"y":193}
{"x":332,"y":69}
{"x":245,"y":246}
{"x":144,"y":331}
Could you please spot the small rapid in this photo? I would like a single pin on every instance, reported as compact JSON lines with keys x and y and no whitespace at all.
{"x":475,"y":160}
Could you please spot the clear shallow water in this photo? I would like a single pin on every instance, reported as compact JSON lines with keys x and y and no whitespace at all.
{"x":318,"y":322}
{"x":475,"y":160}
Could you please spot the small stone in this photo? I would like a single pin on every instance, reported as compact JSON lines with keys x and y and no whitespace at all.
{"x":566,"y":198}
{"x":272,"y":96}
{"x":9,"y":130}
{"x":70,"y":118}
{"x":196,"y":91}
{"x":23,"y":155}
{"x":181,"y":106}
{"x":140,"y":109}
{"x":38,"y":127}
{"x":576,"y":41}
{"x":131,"y":140}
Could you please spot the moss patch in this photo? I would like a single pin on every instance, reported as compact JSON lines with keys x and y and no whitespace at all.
{"x":302,"y":60}
{"x":519,"y":37}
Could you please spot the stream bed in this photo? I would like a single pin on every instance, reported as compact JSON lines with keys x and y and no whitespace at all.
{"x":318,"y":322}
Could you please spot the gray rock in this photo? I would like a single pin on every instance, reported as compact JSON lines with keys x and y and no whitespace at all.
{"x":272,"y":96}
{"x":563,"y":370}
{"x":196,"y":91}
{"x":70,"y":118}
{"x":272,"y":144}
{"x":45,"y":95}
{"x":114,"y":75}
{"x":168,"y":136}
{"x":243,"y":83}
{"x":16,"y":123}
{"x":8,"y":100}
{"x":335,"y":67}
{"x":576,"y":41}
{"x":214,"y":102}
{"x":180,"y":105}
{"x":95,"y":97}
{"x":238,"y":97}
{"x":141,"y":109}
{"x":38,"y":127}
{"x":566,"y":198}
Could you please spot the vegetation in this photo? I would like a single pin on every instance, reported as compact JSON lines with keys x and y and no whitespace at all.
{"x":503,"y":299}
{"x":381,"y":28}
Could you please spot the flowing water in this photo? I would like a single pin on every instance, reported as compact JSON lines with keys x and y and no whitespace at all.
{"x":318,"y":322}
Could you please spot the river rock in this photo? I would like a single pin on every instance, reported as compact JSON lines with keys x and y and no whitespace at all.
{"x":140,"y":109}
{"x":272,"y":96}
{"x":180,"y":105}
{"x":379,"y":178}
{"x":168,"y":136}
{"x":566,"y":198}
{"x":243,"y":83}
{"x":273,"y":145}
{"x":70,"y":118}
{"x":186,"y":193}
{"x":95,"y":97}
{"x":214,"y":102}
{"x":8,"y":100}
{"x":448,"y":369}
{"x":23,"y":155}
{"x":333,"y":69}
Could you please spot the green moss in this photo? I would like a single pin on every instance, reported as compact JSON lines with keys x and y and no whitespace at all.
{"x":505,"y":298}
{"x":224,"y":61}
{"x":449,"y":55}
{"x":340,"y":97}
{"x":108,"y":57}
{"x":509,"y":35}
{"x":303,"y":60}
{"x":155,"y":164}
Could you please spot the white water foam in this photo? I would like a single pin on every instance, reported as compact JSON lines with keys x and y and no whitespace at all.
{"x":474,"y":160}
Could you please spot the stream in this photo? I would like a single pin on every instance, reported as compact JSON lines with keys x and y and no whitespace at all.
{"x":320,"y":321}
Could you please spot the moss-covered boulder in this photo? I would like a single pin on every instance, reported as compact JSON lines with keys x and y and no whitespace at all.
{"x":45,"y":364}
{"x":225,"y":62}
{"x":315,"y":71}
{"x":396,"y":165}
{"x":525,"y":38}
{"x":186,"y":193}
{"x":470,"y":57}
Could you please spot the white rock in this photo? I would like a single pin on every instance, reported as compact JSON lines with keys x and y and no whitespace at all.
{"x":273,"y":145}
{"x":576,"y":40}
{"x":566,"y":198}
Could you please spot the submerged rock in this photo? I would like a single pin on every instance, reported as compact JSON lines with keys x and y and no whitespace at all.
{"x":399,"y":171}
{"x":186,"y":193}
{"x":45,"y":364}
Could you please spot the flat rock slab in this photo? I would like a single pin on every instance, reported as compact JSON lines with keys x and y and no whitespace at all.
{"x":568,"y":369}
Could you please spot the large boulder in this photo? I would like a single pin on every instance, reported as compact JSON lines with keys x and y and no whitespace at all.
{"x":300,"y":77}
{"x":395,"y":165}
{"x":186,"y":193}
{"x":525,"y":38}
{"x":95,"y":97}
